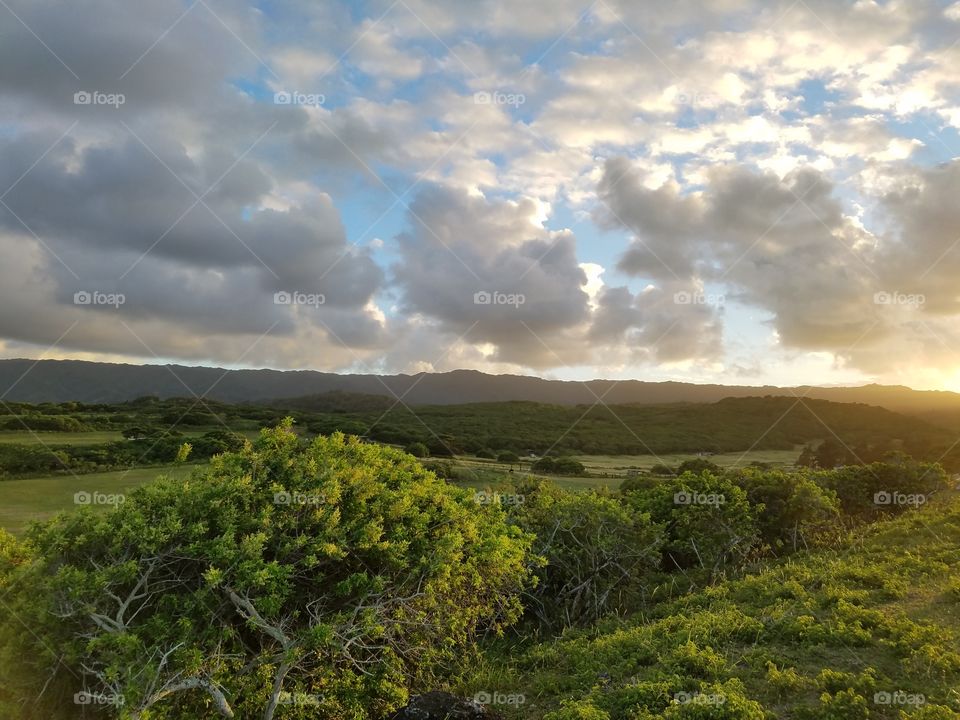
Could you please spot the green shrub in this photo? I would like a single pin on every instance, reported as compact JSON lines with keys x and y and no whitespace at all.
{"x":341,"y":570}
{"x":580,"y":710}
{"x":418,"y":450}
{"x":709,"y":522}
{"x":594,"y":548}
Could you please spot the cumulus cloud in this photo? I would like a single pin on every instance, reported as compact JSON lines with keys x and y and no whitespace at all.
{"x":489,"y":270}
{"x":619,"y":166}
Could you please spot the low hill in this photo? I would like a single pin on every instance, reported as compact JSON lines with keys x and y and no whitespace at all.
{"x":732,"y":424}
{"x":74,"y":380}
{"x":854,"y":633}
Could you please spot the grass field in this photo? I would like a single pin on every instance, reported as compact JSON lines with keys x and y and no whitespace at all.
{"x":95,"y":437}
{"x":41,"y":498}
{"x":610,"y":470}
{"x":620,"y":464}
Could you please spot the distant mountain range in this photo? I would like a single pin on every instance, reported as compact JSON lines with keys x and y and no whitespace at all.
{"x":75,"y":380}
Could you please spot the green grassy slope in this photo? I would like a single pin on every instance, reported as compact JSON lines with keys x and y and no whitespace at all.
{"x":22,"y":501}
{"x":820,"y":636}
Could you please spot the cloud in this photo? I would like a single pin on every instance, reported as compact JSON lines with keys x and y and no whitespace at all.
{"x":715,"y":147}
{"x":488,"y":270}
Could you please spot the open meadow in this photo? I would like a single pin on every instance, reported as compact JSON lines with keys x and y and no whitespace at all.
{"x":25,"y":500}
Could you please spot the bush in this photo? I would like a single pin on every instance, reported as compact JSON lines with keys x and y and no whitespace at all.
{"x":594,"y":549}
{"x":342,"y":570}
{"x":709,"y":522}
{"x":558,"y":466}
{"x":698,"y":466}
{"x":418,"y":450}
{"x":793,"y":509}
{"x":866,"y":492}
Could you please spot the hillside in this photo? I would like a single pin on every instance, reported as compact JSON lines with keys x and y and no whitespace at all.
{"x":733,"y":424}
{"x":829,"y":635}
{"x":73,"y":380}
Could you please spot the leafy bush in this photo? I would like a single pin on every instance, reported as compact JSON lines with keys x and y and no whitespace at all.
{"x":558,"y":466}
{"x":868,"y":491}
{"x":594,"y":548}
{"x":793,"y":509}
{"x":340,"y":571}
{"x":418,"y":450}
{"x":707,"y":519}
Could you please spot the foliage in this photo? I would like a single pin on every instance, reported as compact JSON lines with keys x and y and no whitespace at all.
{"x":596,"y":550}
{"x":707,"y":519}
{"x":558,"y":466}
{"x":418,"y":450}
{"x":341,"y":572}
{"x":811,"y":637}
{"x":794,"y":509}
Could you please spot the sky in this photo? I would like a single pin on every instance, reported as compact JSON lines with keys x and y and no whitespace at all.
{"x":727,"y":191}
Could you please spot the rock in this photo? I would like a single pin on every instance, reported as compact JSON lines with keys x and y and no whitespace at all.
{"x":443,"y":706}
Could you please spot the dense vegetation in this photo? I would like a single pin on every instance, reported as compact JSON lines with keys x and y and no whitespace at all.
{"x":869,"y":632}
{"x":337,"y":570}
{"x":154,"y":430}
{"x":332,"y":577}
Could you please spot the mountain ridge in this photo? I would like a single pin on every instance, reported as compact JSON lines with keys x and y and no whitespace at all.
{"x":25,"y":380}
